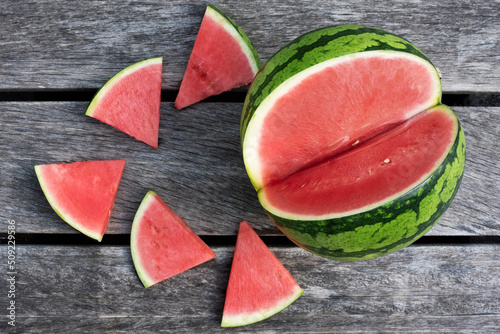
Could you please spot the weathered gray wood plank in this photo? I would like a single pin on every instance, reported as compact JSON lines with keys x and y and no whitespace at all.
{"x":73,"y":45}
{"x":198,"y":168}
{"x":446,"y":289}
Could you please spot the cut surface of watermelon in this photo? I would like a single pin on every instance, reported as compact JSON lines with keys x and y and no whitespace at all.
{"x":332,"y":106}
{"x":162,"y":244}
{"x":375,"y":172}
{"x":222,"y":58}
{"x":82,"y":193}
{"x":259,"y":285}
{"x":130,"y":101}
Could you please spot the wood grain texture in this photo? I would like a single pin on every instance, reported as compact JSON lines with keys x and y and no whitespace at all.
{"x":78,"y":45}
{"x":198,"y":169}
{"x":446,"y":289}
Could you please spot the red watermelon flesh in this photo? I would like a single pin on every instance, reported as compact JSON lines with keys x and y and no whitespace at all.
{"x":130,"y":101}
{"x":338,"y":105}
{"x":218,"y":61}
{"x":162,"y":244}
{"x":259,"y":285}
{"x":82,"y":193}
{"x":388,"y":165}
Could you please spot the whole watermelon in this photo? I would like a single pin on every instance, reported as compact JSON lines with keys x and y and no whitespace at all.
{"x":347,"y":143}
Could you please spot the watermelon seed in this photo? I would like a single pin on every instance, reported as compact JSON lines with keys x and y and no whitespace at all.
{"x":156,"y":230}
{"x":387,"y":160}
{"x":201,"y":74}
{"x":355,"y":143}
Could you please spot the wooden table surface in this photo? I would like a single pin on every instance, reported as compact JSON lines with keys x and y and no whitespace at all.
{"x":54,"y":55}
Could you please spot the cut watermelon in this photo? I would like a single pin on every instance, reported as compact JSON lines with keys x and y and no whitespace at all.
{"x":389,"y":166}
{"x":334,"y":106}
{"x":223,"y":58}
{"x":259,"y":286}
{"x":161,"y":243}
{"x":347,"y":144}
{"x":82,"y":193}
{"x":130,"y":101}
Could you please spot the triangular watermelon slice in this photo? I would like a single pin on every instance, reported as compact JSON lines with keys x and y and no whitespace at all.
{"x":259,"y":286}
{"x":162,"y":244}
{"x":130,"y":101}
{"x":82,"y":193}
{"x":223,"y":58}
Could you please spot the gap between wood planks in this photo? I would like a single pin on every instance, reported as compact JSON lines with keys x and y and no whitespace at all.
{"x":218,"y":240}
{"x":58,"y":95}
{"x":237,"y":96}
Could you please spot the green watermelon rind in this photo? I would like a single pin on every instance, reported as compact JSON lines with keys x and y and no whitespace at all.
{"x":313,"y":48}
{"x":116,"y":78}
{"x":248,"y":319}
{"x":234,"y":30}
{"x":389,"y":227}
{"x":134,"y":246}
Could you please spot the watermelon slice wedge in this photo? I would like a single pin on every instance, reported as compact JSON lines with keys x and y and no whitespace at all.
{"x":162,"y":244}
{"x":82,"y":193}
{"x":223,"y":58}
{"x":259,"y":286}
{"x":130,"y":101}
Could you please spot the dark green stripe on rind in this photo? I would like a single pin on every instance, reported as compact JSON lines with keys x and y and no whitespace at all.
{"x":388,"y":228}
{"x":313,"y":48}
{"x":245,"y":38}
